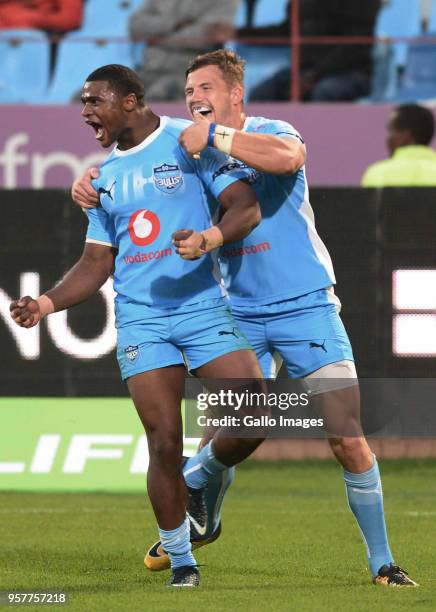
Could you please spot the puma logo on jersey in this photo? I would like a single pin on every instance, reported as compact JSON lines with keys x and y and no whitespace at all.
{"x":108,"y":192}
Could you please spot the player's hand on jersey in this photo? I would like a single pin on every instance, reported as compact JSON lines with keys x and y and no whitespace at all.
{"x":194,"y":138}
{"x":25,"y":311}
{"x":189,"y":244}
{"x":82,"y":191}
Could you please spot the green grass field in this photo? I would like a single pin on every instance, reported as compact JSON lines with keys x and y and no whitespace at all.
{"x":289,"y":543}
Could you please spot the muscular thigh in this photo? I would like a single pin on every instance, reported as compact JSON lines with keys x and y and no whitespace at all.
{"x":334,"y":390}
{"x":157,"y":395}
{"x":237,"y":364}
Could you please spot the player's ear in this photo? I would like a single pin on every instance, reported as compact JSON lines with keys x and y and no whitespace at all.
{"x":130,"y":102}
{"x":237,"y":94}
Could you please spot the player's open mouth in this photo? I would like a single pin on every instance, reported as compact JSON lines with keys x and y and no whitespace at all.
{"x":98,"y":129}
{"x":203,"y":110}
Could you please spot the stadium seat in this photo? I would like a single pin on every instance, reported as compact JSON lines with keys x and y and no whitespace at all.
{"x":24,"y":65}
{"x":397,"y":18}
{"x":241,"y":16}
{"x":108,"y":17}
{"x":432,"y":17}
{"x":267,"y":12}
{"x":263,"y":14}
{"x":419,"y":79}
{"x":262,"y":62}
{"x":77,"y":58}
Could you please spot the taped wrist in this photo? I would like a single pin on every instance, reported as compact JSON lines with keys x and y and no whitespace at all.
{"x":224,"y":138}
{"x":46,"y":306}
{"x":212,"y":239}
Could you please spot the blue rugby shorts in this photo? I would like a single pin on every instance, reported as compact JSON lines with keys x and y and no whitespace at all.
{"x":306,"y":333}
{"x":151,"y":338}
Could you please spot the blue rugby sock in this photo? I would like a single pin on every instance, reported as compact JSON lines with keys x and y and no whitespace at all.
{"x":214,"y":496}
{"x":198,"y":469}
{"x":176,"y":542}
{"x":365,"y":497}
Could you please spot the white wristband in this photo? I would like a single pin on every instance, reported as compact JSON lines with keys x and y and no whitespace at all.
{"x":224,"y":138}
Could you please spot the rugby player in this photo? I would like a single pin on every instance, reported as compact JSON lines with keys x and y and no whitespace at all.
{"x":279,"y":281}
{"x":282,"y":295}
{"x":168,"y":299}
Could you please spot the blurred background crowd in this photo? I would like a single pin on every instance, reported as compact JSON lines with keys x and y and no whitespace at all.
{"x":307,"y":50}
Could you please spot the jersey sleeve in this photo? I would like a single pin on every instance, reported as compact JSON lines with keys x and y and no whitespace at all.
{"x":218,"y":171}
{"x":101,"y":229}
{"x":283,"y":129}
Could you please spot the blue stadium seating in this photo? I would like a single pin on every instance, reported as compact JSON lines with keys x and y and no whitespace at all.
{"x":419,"y":79}
{"x":77,"y":58}
{"x":432,"y":17}
{"x":24,"y":65}
{"x":108,"y":17}
{"x":397,"y":18}
{"x":266,"y":12}
{"x":262,"y":62}
{"x":241,"y":15}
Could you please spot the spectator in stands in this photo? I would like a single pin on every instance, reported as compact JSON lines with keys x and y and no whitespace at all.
{"x":327,"y":72}
{"x":175,"y":31}
{"x":410,"y":130}
{"x":49,"y":15}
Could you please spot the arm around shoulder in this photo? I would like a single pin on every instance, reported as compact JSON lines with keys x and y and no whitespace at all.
{"x":241,"y":211}
{"x":266,"y":152}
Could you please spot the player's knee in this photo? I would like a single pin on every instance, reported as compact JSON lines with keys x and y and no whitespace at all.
{"x":165,"y":447}
{"x":349,"y":446}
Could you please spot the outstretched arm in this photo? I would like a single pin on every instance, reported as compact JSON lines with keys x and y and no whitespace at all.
{"x":81,"y":282}
{"x":241,"y":215}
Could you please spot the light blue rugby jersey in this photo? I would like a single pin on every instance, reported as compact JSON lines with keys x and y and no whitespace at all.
{"x":283,"y":257}
{"x":147,"y":193}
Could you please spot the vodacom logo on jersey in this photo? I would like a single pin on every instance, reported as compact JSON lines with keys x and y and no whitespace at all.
{"x":144,"y":227}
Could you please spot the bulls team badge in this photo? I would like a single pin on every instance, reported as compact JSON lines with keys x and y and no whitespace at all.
{"x":144,"y":227}
{"x":132,"y":353}
{"x":168,"y":178}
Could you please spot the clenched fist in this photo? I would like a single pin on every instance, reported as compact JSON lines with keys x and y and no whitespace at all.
{"x":25,"y":311}
{"x":189,"y":243}
{"x":194,"y":138}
